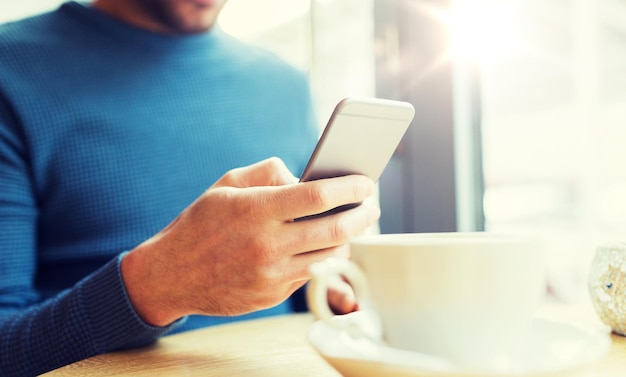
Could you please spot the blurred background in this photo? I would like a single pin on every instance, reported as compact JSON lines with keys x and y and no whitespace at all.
{"x":521,"y":108}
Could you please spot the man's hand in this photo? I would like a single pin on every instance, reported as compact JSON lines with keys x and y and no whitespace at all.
{"x":236,"y":249}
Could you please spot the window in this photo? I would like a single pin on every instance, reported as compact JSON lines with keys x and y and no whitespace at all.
{"x":554,"y":128}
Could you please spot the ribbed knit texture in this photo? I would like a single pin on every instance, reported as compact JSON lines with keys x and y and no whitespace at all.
{"x":107,"y":132}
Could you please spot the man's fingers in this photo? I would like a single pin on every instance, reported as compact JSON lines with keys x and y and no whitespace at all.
{"x":330,"y":231}
{"x":269,"y":172}
{"x":300,"y":263}
{"x":341,"y":297}
{"x":314,"y":197}
{"x":339,"y":228}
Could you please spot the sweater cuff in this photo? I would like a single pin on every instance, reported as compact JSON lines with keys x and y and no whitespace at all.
{"x":115,"y":323}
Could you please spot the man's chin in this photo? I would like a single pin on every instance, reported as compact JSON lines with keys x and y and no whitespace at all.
{"x":206,"y":3}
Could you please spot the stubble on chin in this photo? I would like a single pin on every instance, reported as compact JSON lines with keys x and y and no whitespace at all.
{"x":179,"y":17}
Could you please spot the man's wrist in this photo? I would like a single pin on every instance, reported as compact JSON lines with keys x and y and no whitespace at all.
{"x":145,"y":291}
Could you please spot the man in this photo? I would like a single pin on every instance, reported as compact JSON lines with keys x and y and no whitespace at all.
{"x":137,"y":183}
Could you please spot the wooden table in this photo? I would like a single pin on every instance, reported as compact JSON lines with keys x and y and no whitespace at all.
{"x":275,"y":346}
{"x":266,"y":347}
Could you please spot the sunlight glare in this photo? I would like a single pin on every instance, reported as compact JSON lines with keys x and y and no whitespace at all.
{"x":481,"y":30}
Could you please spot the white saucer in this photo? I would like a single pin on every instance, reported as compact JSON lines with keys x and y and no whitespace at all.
{"x":553,"y":349}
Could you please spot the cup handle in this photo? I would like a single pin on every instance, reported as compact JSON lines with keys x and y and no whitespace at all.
{"x":363,"y":324}
{"x":324,"y":272}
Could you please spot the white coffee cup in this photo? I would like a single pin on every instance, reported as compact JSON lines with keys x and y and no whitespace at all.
{"x":466,"y":297}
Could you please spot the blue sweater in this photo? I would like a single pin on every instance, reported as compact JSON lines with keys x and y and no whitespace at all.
{"x":107,"y":132}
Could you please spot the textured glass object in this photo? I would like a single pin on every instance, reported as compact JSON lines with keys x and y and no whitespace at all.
{"x":607,"y":285}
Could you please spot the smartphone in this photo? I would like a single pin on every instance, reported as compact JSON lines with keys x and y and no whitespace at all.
{"x":359,"y":138}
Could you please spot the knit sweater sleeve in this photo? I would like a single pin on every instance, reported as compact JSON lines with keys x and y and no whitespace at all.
{"x":92,"y":317}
